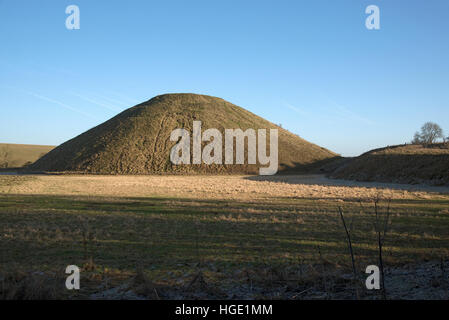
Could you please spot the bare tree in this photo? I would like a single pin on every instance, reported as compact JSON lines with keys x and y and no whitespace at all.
{"x":417,"y":138}
{"x":430,"y":133}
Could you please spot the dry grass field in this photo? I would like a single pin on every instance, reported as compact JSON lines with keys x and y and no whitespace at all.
{"x":164,"y":237}
{"x":17,"y":155}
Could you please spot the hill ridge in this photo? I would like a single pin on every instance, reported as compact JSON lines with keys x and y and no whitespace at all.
{"x":408,"y":163}
{"x":137,"y":140}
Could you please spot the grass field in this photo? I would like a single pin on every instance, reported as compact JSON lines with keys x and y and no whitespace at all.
{"x":204,"y":236}
{"x":17,"y":155}
{"x":410,"y":163}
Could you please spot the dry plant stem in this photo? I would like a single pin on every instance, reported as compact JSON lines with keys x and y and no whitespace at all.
{"x":354,"y":270}
{"x":380,"y":240}
{"x":326,"y":289}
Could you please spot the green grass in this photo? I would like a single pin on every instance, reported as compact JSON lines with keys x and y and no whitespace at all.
{"x":168,"y":237}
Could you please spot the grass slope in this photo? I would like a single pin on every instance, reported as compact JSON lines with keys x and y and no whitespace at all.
{"x":137,"y":141}
{"x":17,"y":155}
{"x":401,"y":164}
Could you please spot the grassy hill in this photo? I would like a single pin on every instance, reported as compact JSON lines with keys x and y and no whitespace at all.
{"x":17,"y":155}
{"x":137,"y":141}
{"x":401,"y":164}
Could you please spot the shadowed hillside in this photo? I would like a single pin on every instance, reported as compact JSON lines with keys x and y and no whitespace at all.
{"x":137,"y":141}
{"x":400,"y":164}
{"x":17,"y":155}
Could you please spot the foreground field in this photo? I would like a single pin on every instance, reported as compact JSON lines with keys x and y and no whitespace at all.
{"x":215,"y":237}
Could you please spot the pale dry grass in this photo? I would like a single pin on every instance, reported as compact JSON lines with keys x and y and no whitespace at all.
{"x":20,"y":154}
{"x":214,"y":187}
{"x":414,"y":149}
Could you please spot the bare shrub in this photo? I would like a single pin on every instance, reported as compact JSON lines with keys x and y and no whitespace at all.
{"x":28,"y":286}
{"x":381,"y":224}
{"x":142,"y":285}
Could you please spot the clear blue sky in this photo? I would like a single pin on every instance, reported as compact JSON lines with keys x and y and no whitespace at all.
{"x":311,"y":66}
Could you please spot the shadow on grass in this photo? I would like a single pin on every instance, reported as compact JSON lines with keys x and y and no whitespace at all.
{"x":43,"y":230}
{"x":322,"y":180}
{"x":412,"y":168}
{"x":168,"y":233}
{"x":174,"y":237}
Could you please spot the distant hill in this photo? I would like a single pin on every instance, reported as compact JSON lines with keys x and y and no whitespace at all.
{"x":137,"y":141}
{"x":17,"y":155}
{"x":400,"y":164}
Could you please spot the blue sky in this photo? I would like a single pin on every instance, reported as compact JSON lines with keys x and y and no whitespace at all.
{"x":311,"y":66}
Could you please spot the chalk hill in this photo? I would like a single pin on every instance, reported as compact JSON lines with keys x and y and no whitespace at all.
{"x":137,"y":141}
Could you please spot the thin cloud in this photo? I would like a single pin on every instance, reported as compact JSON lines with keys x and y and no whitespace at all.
{"x":296,"y":109}
{"x":95,"y":102}
{"x":42,"y":97}
{"x":113,"y":101}
{"x":348,"y":114}
{"x":66,"y":106}
{"x":355,"y":116}
{"x":123,"y":97}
